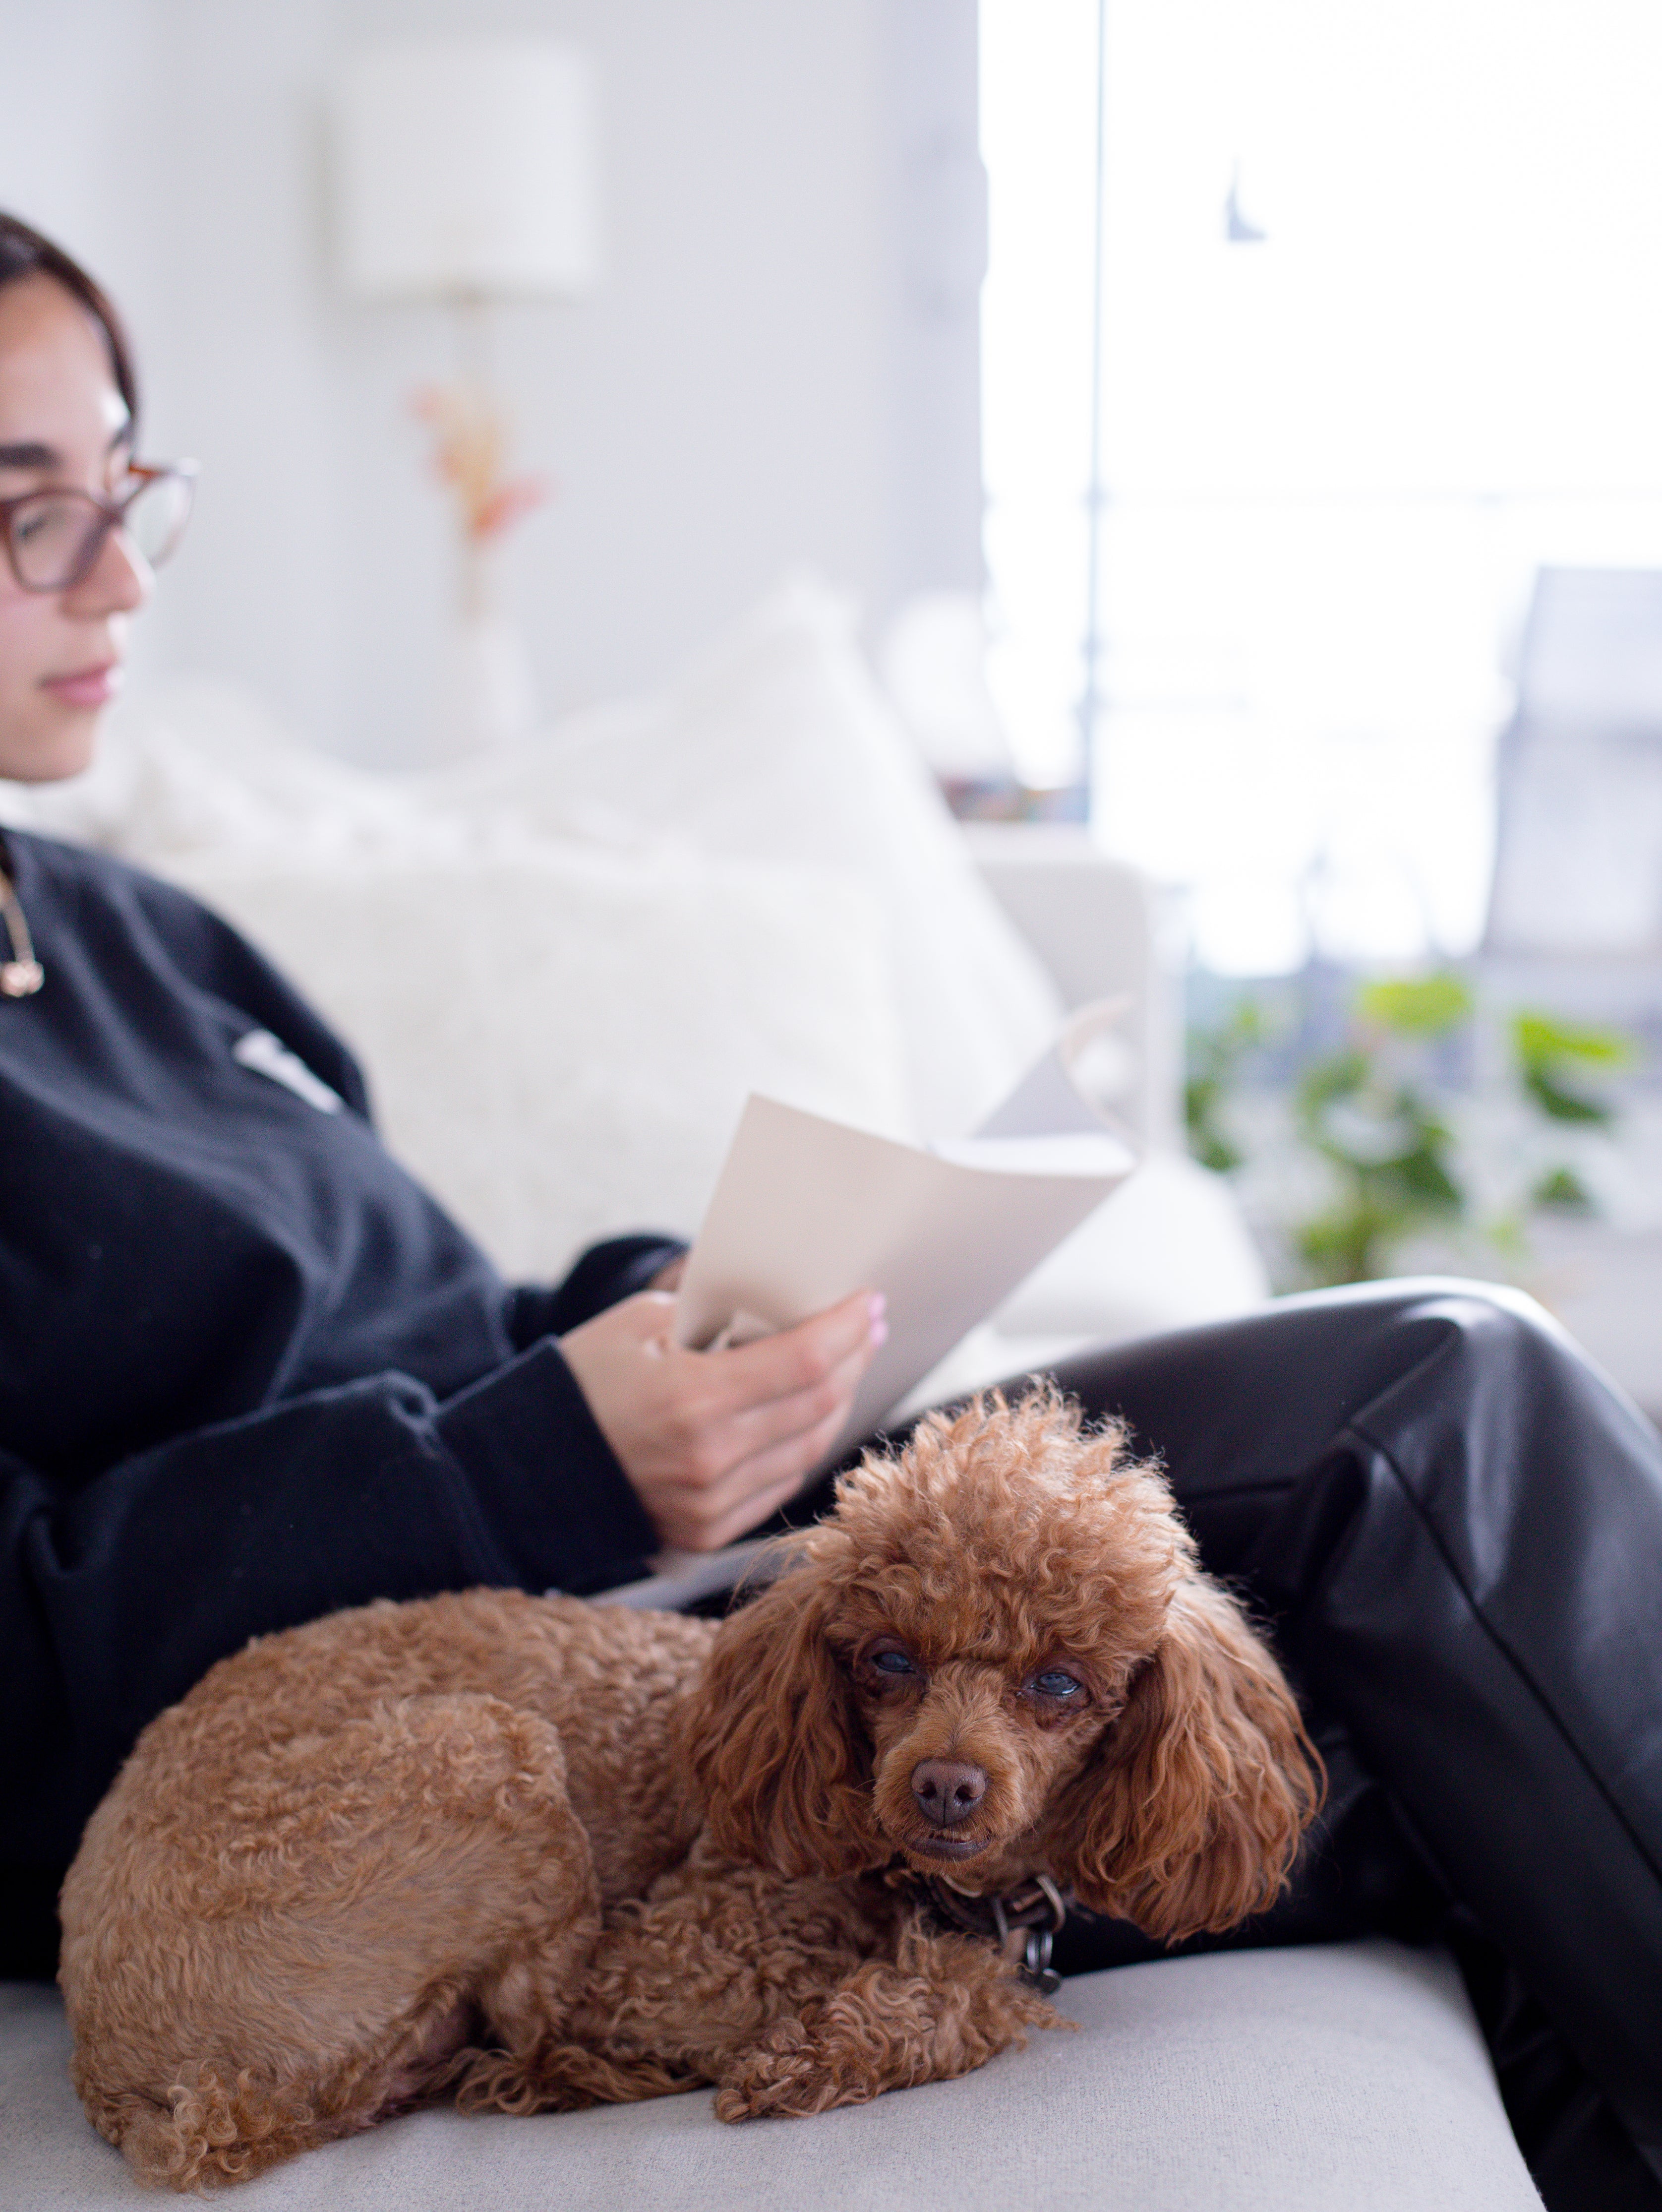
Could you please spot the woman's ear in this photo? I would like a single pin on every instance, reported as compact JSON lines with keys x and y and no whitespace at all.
{"x":1191,"y":1816}
{"x":779,"y":1753}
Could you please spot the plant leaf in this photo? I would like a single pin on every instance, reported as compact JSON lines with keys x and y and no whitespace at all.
{"x":1416,"y":1007}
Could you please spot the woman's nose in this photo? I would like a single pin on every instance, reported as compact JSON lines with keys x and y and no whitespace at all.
{"x":119,"y":581}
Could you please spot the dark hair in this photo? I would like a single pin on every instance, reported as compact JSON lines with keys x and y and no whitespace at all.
{"x":24,"y":252}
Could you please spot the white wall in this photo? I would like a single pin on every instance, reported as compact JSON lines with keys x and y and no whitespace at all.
{"x":779,"y":369}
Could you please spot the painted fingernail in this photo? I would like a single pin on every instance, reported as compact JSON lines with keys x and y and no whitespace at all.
{"x":879,"y":1333}
{"x":878,"y":1305}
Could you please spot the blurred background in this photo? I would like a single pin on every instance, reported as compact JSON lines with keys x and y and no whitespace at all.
{"x":756,"y":377}
{"x":1237,"y":419}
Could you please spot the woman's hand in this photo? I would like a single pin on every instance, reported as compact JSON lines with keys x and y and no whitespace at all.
{"x":714,"y":1442}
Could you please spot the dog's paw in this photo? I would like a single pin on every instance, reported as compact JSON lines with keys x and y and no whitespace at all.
{"x":785,"y":2076}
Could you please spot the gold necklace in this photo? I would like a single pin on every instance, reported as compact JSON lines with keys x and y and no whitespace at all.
{"x":23,"y":974}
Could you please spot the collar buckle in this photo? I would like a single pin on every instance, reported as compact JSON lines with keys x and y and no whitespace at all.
{"x":1022,"y":1922}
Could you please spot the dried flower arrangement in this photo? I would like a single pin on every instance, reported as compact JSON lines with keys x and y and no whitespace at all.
{"x":469,"y":450}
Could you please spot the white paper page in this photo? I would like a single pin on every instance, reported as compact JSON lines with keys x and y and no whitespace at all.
{"x":808,"y":1210}
{"x":1062,"y":1091}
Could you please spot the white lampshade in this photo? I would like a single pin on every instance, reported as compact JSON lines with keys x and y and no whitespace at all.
{"x":466,"y":166}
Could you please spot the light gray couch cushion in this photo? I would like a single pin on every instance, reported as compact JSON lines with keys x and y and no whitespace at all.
{"x":1347,"y":2078}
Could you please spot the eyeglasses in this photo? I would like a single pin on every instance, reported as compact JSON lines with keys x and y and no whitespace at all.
{"x":53,"y":539}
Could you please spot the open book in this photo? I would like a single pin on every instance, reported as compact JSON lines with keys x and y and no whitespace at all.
{"x":806,"y":1210}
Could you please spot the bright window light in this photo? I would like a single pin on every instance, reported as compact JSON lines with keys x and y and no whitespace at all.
{"x":1381,"y":333}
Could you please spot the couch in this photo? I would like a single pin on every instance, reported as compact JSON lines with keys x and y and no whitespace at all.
{"x":565,"y":966}
{"x":1343,"y":2078}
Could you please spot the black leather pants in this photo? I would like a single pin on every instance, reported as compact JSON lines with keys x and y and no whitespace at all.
{"x":1454,"y":1527}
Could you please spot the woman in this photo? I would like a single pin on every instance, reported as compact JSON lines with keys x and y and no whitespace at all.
{"x":249,"y":1372}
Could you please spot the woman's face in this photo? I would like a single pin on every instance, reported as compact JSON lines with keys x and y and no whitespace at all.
{"x":62,"y":423}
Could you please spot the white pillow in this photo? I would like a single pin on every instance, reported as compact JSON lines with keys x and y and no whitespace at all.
{"x":1168,"y":1250}
{"x":778,"y":746}
{"x":559,"y":1042}
{"x":205,"y":768}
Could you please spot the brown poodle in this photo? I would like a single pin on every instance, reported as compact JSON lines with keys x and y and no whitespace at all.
{"x":537,"y":1853}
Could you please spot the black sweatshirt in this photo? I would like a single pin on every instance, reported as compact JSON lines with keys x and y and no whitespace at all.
{"x":249,"y":1371}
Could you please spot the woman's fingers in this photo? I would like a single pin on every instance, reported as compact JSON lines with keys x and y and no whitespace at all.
{"x":683,"y":1522}
{"x":730,"y":1406}
{"x":778,"y":1421}
{"x":714,"y":1442}
{"x":760,"y":1458}
{"x":708,"y":1517}
{"x":785,"y":1406}
{"x":797,"y":1359}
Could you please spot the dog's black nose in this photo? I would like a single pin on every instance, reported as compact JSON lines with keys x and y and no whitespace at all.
{"x":948,"y":1791}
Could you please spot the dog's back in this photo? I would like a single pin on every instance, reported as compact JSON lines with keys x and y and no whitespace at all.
{"x":349,"y":1842}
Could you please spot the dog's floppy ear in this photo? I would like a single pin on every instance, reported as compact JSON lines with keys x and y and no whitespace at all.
{"x":780,"y":1756}
{"x":1190,"y":1818}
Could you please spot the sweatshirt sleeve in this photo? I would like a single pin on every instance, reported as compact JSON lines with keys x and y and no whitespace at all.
{"x":119,"y":1595}
{"x":599,"y":1278}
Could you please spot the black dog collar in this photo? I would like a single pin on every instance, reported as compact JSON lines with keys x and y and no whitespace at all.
{"x":1023,"y":1921}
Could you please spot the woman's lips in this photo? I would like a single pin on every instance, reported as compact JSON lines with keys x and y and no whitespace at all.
{"x":86,"y":687}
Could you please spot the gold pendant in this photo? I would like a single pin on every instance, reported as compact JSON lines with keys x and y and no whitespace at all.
{"x":20,"y":978}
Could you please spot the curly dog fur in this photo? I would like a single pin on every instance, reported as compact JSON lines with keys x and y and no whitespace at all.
{"x":536,"y":1853}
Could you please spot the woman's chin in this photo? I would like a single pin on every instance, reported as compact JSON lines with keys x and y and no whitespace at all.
{"x":52,"y":751}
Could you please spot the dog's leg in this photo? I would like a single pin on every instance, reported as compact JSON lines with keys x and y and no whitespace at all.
{"x":337,"y":1925}
{"x":943,"y":2006}
{"x":682,"y":1981}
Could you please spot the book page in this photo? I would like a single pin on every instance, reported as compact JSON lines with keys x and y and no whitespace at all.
{"x":807,"y":1210}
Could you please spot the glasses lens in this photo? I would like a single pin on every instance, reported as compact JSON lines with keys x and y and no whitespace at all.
{"x":51,"y":537}
{"x":156,"y":515}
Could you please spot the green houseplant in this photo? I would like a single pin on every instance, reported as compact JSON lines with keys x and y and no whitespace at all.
{"x":1378,"y":1115}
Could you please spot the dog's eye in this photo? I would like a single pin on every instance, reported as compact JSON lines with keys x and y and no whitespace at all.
{"x":892,"y":1662}
{"x":1054,"y":1683}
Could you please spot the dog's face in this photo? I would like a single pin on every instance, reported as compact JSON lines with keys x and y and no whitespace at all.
{"x":999,"y":1657}
{"x":970,"y":1747}
{"x":999,"y":1590}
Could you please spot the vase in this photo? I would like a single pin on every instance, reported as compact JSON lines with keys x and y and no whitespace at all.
{"x":487,"y":695}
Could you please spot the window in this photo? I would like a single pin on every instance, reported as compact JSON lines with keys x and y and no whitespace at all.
{"x":1356,"y":323}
